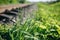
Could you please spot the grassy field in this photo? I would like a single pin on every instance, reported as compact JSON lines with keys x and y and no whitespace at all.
{"x":45,"y":25}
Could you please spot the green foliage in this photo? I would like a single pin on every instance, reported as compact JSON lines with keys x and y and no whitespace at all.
{"x":11,"y":1}
{"x":58,"y":0}
{"x":14,"y":1}
{"x":55,"y":1}
{"x":22,"y":1}
{"x":4,"y":2}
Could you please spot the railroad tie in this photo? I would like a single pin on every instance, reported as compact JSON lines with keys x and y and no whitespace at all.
{"x":11,"y":13}
{"x":6,"y":18}
{"x":15,"y":10}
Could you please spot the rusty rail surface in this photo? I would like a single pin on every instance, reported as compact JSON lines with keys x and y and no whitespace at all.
{"x":12,"y":6}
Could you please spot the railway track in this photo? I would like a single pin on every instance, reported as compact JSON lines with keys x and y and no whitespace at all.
{"x":10,"y":13}
{"x":12,"y":6}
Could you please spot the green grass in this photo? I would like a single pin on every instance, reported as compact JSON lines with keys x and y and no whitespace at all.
{"x":45,"y":25}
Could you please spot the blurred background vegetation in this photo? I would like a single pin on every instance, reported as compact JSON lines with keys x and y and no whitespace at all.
{"x":11,"y":1}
